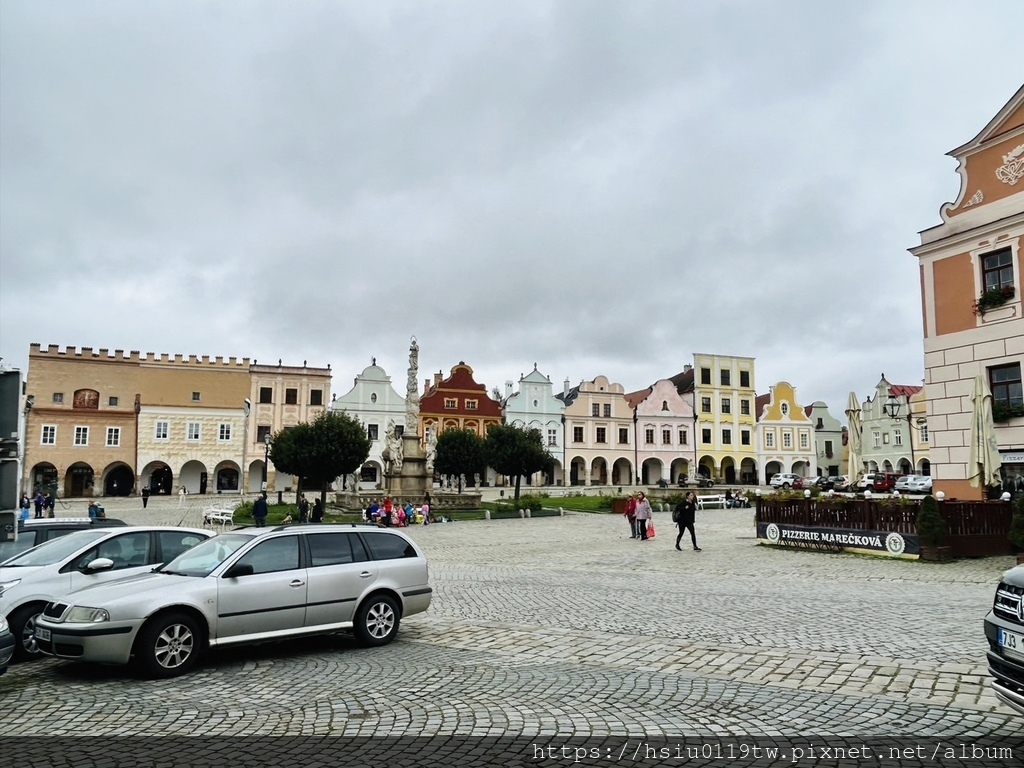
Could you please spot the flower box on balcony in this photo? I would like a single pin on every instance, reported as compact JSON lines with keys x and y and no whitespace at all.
{"x":992,"y":298}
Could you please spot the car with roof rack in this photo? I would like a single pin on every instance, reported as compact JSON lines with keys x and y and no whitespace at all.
{"x":31,"y":579}
{"x":248,"y":585}
{"x":1004,"y":630}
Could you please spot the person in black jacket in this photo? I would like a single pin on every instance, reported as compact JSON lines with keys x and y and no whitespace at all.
{"x":684,"y":515}
{"x":260,"y":510}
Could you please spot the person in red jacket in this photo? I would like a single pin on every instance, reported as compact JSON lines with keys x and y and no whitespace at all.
{"x":631,"y":514}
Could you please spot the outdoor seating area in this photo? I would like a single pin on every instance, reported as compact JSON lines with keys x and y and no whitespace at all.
{"x":218,"y":515}
{"x":711,"y":500}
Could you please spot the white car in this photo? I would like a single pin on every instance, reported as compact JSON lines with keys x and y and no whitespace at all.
{"x":784,"y":480}
{"x":919,"y":484}
{"x":30,"y":580}
{"x":247,"y":586}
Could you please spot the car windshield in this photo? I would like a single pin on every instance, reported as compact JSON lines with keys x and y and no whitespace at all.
{"x":204,"y":557}
{"x":55,"y":550}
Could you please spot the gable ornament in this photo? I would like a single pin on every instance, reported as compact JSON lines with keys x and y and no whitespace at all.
{"x":1012,"y":169}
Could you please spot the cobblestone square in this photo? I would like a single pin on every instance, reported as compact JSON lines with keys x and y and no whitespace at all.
{"x":566,"y":627}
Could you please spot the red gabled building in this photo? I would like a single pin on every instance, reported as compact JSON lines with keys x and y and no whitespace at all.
{"x":457,"y":402}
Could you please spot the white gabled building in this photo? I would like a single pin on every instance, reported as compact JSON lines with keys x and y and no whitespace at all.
{"x":535,"y":406}
{"x":374,"y":401}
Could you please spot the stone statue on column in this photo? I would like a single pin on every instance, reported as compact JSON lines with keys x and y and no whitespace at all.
{"x":412,"y":396}
{"x":394,"y":447}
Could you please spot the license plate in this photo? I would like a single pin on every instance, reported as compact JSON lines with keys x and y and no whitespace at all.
{"x":44,"y":634}
{"x":1011,"y":642}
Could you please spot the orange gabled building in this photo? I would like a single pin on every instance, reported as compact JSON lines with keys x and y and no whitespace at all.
{"x":457,"y":402}
{"x":971,"y":285}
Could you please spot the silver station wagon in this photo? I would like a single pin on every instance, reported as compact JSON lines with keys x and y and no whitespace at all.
{"x":250,"y":585}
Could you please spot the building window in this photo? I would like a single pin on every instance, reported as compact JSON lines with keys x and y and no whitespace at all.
{"x":705,"y":376}
{"x":471,"y":405}
{"x":372,"y":431}
{"x":787,"y":440}
{"x":664,"y":405}
{"x":193,"y":432}
{"x":577,"y":434}
{"x":399,"y":430}
{"x":876,"y":437}
{"x":897,"y":437}
{"x":805,"y":441}
{"x":607,"y":410}
{"x":727,"y":437}
{"x":785,"y":409}
{"x":623,"y":436}
{"x":705,"y":405}
{"x":49,"y":436}
{"x":705,"y":435}
{"x":195,"y":397}
{"x":745,"y":379}
{"x":769,"y":439}
{"x":601,"y":435}
{"x":682,"y":437}
{"x":266,"y":394}
{"x":997,"y":270}
{"x":316,"y":397}
{"x":58,"y":397}
{"x":1007,"y":392}
{"x":924,"y":434}
{"x":726,"y":378}
{"x":649,"y":436}
{"x":451,"y":403}
{"x":113,"y":437}
{"x":262,"y":433}
{"x":162,"y":428}
{"x":553,"y":437}
{"x":745,"y":437}
{"x":828,"y":449}
{"x":81,"y":435}
{"x":820,"y":424}
{"x":291,"y":396}
{"x":224,"y":432}
{"x":595,"y":409}
{"x":373,"y":397}
{"x":666,"y":437}
{"x":745,"y":407}
{"x":726,"y":405}
{"x":112,"y":402}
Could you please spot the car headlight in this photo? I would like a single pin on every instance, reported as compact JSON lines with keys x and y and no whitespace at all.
{"x":81,"y":614}
{"x":3,"y":624}
{"x":4,"y":585}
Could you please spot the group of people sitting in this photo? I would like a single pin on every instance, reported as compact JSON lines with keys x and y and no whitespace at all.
{"x":388,"y":514}
{"x":736,"y":499}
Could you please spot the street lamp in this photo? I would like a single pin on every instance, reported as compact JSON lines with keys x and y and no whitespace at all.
{"x":266,"y":458}
{"x":892,"y":410}
{"x":695,"y":470}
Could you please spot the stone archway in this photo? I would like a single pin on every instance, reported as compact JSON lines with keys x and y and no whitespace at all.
{"x":118,"y":480}
{"x":79,"y":480}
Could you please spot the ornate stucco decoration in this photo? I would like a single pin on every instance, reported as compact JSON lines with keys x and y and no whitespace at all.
{"x":976,"y":198}
{"x":1012,"y":169}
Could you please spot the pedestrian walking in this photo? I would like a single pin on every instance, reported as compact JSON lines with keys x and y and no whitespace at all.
{"x":145,"y":496}
{"x":683,"y":516}
{"x":182,"y":493}
{"x":260,"y":510}
{"x":48,"y":505}
{"x":317,"y":515}
{"x":39,"y":500}
{"x":643,"y":514}
{"x":631,"y":514}
{"x":303,"y":509}
{"x":25,"y":506}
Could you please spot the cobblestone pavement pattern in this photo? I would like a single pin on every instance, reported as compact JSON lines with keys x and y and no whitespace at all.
{"x":565,"y":626}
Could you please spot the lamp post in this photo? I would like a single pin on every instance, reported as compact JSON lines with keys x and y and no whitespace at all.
{"x":696,"y":444}
{"x":266,"y":458}
{"x":892,"y":410}
{"x":246,"y":407}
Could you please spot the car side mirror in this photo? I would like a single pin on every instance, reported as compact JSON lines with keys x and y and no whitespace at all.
{"x":238,"y":569}
{"x":100,"y":564}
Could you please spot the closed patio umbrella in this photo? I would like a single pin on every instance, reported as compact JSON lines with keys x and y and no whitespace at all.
{"x":985,"y":462}
{"x":853,"y":437}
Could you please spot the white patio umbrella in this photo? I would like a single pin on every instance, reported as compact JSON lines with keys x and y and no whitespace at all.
{"x":985,"y":462}
{"x":853,"y":436}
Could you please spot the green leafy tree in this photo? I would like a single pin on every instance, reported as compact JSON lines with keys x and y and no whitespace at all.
{"x":332,"y":444}
{"x":516,"y":452}
{"x":460,"y":452}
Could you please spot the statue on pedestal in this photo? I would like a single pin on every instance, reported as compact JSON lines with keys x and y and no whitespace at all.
{"x":412,"y":395}
{"x":394,"y":448}
{"x":431,"y":445}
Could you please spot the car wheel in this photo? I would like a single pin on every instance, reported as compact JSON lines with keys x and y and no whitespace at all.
{"x":168,"y":645}
{"x":787,"y":486}
{"x":23,"y":627}
{"x":377,"y":621}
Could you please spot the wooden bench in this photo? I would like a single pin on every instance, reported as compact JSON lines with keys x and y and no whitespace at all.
{"x":219,"y":515}
{"x":703,"y":502}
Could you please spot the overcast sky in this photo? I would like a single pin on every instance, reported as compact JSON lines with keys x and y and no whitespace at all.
{"x":603,"y":188}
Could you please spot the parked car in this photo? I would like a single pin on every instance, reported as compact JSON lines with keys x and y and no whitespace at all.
{"x":840,"y":482}
{"x":33,"y":531}
{"x":902,"y":483}
{"x":249,"y":585}
{"x":919,"y":484}
{"x":6,"y":645}
{"x":867,"y":482}
{"x":82,"y":558}
{"x":785,"y":480}
{"x":1004,"y":630}
{"x":885,"y":481}
{"x":701,"y":481}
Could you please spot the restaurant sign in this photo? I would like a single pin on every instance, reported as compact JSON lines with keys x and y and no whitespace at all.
{"x":883,"y":542}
